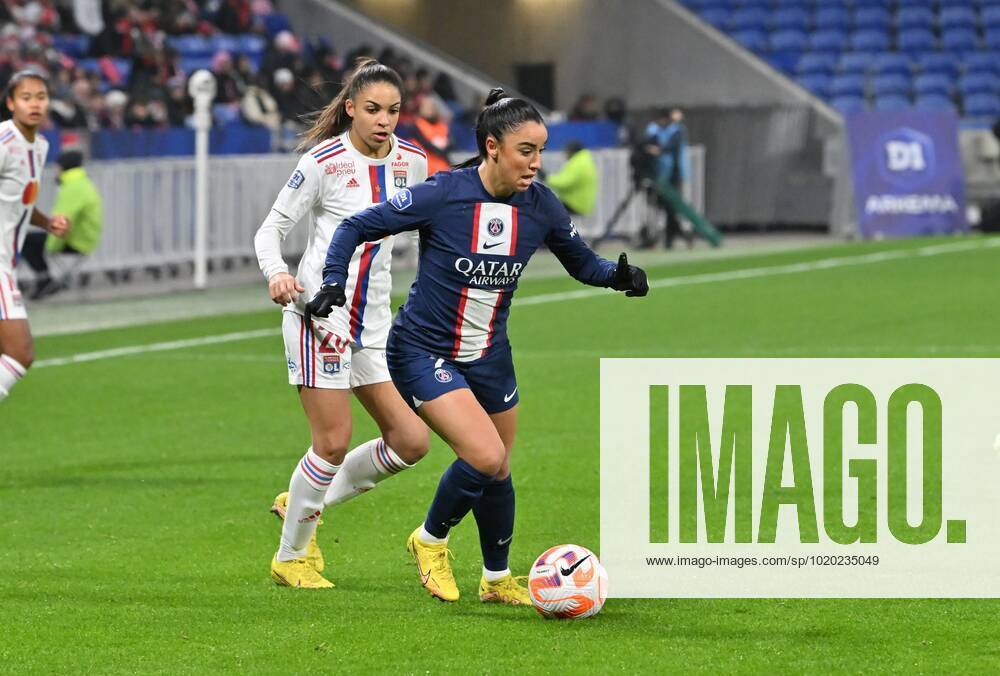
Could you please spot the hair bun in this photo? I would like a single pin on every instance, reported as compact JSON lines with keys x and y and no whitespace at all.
{"x":496,"y":94}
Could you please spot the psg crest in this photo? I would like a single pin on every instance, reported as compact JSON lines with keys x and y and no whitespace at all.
{"x":494,"y":227}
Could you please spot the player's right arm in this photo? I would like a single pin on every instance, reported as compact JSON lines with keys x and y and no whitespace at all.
{"x":407,"y":210}
{"x":297,"y":197}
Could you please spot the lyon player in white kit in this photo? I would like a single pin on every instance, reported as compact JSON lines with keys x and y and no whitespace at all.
{"x":354,"y":161}
{"x":22,"y":156}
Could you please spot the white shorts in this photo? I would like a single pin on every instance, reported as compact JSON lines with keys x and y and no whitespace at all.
{"x":11,"y":301}
{"x":319,"y":358}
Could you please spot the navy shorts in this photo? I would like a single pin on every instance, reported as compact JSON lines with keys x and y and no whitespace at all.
{"x":420,"y":376}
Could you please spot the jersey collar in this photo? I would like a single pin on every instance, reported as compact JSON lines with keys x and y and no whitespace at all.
{"x":346,"y":140}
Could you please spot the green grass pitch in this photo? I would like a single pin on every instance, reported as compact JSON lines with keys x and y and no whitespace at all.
{"x":135,"y":490}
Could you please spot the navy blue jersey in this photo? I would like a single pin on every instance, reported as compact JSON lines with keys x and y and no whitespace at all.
{"x":473,"y":249}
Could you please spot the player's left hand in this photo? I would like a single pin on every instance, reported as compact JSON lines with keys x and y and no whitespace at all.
{"x":328,"y":297}
{"x":629,"y":278}
{"x":58,"y":225}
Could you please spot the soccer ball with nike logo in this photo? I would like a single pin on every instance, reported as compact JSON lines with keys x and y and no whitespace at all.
{"x":568,"y":582}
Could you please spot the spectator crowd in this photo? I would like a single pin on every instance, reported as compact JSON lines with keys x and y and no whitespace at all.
{"x":124,"y":64}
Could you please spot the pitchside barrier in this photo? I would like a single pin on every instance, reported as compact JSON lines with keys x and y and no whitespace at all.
{"x":149,"y":205}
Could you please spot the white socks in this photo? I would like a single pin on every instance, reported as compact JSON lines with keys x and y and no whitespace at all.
{"x":10,"y":372}
{"x":363,"y":467}
{"x":310,"y":481}
{"x":429,"y":539}
{"x":494,"y":575}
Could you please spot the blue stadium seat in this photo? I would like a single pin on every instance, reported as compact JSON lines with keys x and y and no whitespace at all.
{"x":990,"y":16}
{"x":982,"y":105}
{"x":934,"y":103}
{"x":717,"y":17}
{"x":892,"y":103}
{"x":828,"y":41}
{"x":960,"y":3}
{"x":992,"y":38}
{"x":192,"y":63}
{"x":915,"y":40}
{"x":892,"y":62}
{"x":816,"y":64}
{"x":275,"y":22}
{"x":230,"y":43}
{"x":804,"y":4}
{"x":89,"y":65}
{"x":192,"y":45}
{"x":788,"y":41}
{"x":869,"y":41}
{"x":891,"y":84}
{"x":929,"y":84}
{"x":886,"y":4}
{"x":224,"y":113}
{"x":252,"y":44}
{"x":979,"y":83}
{"x":790,"y":18}
{"x":123,"y":66}
{"x":871,"y":18}
{"x":848,"y":104}
{"x":929,"y":4}
{"x":72,"y":45}
{"x":914,"y":17}
{"x":959,"y":40}
{"x":818,"y":84}
{"x":941,"y":63}
{"x":833,"y":17}
{"x":957,"y":17}
{"x":752,"y":18}
{"x":848,"y":85}
{"x":755,"y":40}
{"x":852,"y":63}
{"x":982,"y":62}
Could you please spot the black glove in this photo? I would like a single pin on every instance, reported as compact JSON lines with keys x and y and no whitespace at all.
{"x":630,"y":279}
{"x":326,"y":298}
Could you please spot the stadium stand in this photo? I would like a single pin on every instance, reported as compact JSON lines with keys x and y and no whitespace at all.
{"x":890,"y":54}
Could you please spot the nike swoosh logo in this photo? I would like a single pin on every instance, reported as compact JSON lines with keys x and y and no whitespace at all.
{"x":508,"y":397}
{"x":424,"y":576}
{"x":569,"y":571}
{"x":503,"y":542}
{"x":491,"y":246}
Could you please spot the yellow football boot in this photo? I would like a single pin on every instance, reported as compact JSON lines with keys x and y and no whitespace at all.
{"x":297,"y":573}
{"x":505,"y":590}
{"x":434,"y":567}
{"x":313,"y":554}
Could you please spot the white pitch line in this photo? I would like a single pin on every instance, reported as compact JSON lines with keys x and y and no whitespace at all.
{"x":157,"y":347}
{"x":730,"y":275}
{"x":767,"y":271}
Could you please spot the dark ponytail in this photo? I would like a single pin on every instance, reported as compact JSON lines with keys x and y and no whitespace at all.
{"x":333,"y":119}
{"x":502,"y":114}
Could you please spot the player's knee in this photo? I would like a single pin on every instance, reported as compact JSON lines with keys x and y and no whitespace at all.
{"x":330,"y":447}
{"x":23,"y":353}
{"x":489,"y":459}
{"x":410,"y":444}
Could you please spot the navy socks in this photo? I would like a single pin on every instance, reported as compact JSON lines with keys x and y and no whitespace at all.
{"x":494,"y":512}
{"x":460,"y":487}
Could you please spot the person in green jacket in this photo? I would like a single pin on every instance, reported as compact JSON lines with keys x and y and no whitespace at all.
{"x":79,"y":201}
{"x":576,"y":183}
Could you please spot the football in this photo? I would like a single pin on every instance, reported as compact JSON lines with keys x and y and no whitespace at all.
{"x":568,"y":582}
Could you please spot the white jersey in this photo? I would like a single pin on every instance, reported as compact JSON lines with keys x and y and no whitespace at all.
{"x":331,"y":182}
{"x":20,"y":173}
